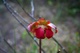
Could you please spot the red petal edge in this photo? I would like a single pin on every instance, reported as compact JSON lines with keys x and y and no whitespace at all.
{"x":52,"y":25}
{"x":29,"y":26}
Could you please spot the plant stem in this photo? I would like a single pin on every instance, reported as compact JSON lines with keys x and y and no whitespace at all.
{"x":39,"y":45}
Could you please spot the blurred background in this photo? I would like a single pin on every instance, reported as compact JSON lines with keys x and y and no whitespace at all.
{"x":65,"y":14}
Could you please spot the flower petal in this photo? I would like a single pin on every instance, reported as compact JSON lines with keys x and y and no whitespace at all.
{"x":52,"y":25}
{"x":39,"y":32}
{"x":29,"y":26}
{"x":48,"y":33}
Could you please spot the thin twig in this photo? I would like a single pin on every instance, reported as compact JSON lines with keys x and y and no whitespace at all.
{"x":32,"y":8}
{"x":14,"y":11}
{"x":59,"y":45}
{"x":25,"y":11}
{"x":7,"y":43}
{"x":3,"y":50}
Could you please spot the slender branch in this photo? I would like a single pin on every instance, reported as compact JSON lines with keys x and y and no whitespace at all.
{"x":32,"y":8}
{"x":25,"y":11}
{"x":7,"y":44}
{"x":59,"y":45}
{"x":3,"y":50}
{"x":14,"y":11}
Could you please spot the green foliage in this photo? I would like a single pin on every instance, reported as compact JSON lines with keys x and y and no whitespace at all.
{"x":34,"y":48}
{"x":0,"y":1}
{"x":77,"y":37}
{"x":24,"y":34}
{"x":71,"y":7}
{"x":24,"y":2}
{"x":50,"y":2}
{"x":72,"y":12}
{"x":73,"y":48}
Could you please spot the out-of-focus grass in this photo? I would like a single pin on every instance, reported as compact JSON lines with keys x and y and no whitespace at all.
{"x":73,"y":47}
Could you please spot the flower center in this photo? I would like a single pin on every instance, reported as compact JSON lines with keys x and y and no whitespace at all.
{"x":42,"y":26}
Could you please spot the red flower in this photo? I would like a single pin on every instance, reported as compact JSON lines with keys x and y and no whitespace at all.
{"x":42,"y":29}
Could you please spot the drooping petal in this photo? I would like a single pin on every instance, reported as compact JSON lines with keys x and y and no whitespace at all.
{"x":39,"y":32}
{"x":52,"y":25}
{"x":49,"y":33}
{"x":29,"y":26}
